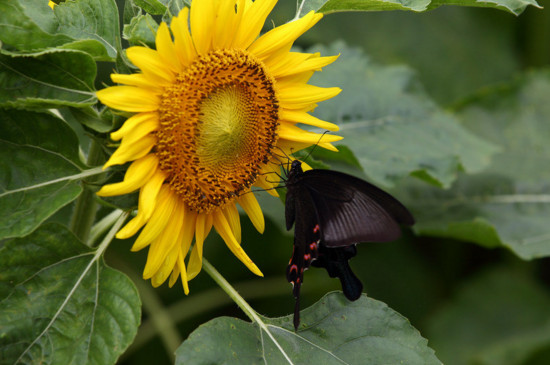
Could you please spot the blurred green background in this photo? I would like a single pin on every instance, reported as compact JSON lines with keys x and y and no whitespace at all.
{"x":459,"y":295}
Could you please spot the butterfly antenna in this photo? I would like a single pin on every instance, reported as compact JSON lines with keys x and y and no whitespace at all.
{"x":315,"y":146}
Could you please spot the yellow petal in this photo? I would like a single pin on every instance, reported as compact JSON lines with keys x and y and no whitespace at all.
{"x":151,"y":64}
{"x":164,"y":244}
{"x":297,"y":96}
{"x":231,"y":213}
{"x":149,"y":193}
{"x":224,"y":230}
{"x":133,"y":122}
{"x":296,"y":134}
{"x":183,"y":43}
{"x":203,"y":227}
{"x":131,"y":227}
{"x":224,"y":25}
{"x":250,"y":205}
{"x":139,"y":80}
{"x":255,"y":15}
{"x":293,"y":147}
{"x":160,"y":218}
{"x":203,"y":15}
{"x":295,"y":63}
{"x":305,"y":118}
{"x":141,"y":130}
{"x":136,"y":176}
{"x":165,"y":48}
{"x":129,"y":98}
{"x":131,"y":151}
{"x":283,"y":35}
{"x":184,"y":279}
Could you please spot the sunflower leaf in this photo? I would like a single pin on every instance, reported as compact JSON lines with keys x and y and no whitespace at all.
{"x":31,"y":163}
{"x":90,"y":20}
{"x":47,"y":80}
{"x":332,"y":6}
{"x":333,"y":331}
{"x":392,"y":126}
{"x":87,"y":25}
{"x":481,"y":326}
{"x":153,"y":7}
{"x":509,"y":204}
{"x":61,"y":304}
{"x":141,"y":30}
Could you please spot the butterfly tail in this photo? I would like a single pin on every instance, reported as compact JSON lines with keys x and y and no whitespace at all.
{"x":335,"y":261}
{"x":297,"y":312}
{"x":351,"y":285}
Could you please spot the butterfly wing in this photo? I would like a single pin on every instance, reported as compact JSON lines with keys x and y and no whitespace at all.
{"x":301,"y":211}
{"x":352,"y":210}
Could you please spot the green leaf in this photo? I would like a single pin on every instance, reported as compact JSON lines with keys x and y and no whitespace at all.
{"x":173,"y":8}
{"x":131,"y":10}
{"x":332,"y":6}
{"x":153,"y":7}
{"x":333,"y":331}
{"x":38,"y":151}
{"x":499,"y":318}
{"x":392,"y":126}
{"x":32,"y":26}
{"x":47,"y":80}
{"x":62,"y":304}
{"x":87,"y":25}
{"x":509,"y":204}
{"x":90,"y":20}
{"x":515,"y":7}
{"x":89,"y":117}
{"x":141,"y":30}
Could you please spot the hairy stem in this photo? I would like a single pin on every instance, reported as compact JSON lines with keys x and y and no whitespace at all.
{"x":86,"y":206}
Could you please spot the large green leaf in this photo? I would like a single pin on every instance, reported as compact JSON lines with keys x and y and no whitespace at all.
{"x":61,"y":303}
{"x":31,"y":25}
{"x":499,"y":318}
{"x":47,"y":80}
{"x":90,"y":20}
{"x":509,"y":204}
{"x":87,"y":25}
{"x":37,"y":152}
{"x":333,"y":331}
{"x":392,"y":126}
{"x":141,"y":30}
{"x":331,"y":6}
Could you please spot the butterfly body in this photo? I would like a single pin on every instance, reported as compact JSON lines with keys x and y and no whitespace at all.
{"x":331,"y":213}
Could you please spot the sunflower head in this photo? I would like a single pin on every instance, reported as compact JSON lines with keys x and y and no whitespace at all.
{"x":211,"y":104}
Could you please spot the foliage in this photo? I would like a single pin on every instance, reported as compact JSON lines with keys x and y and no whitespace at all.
{"x":442,"y":106}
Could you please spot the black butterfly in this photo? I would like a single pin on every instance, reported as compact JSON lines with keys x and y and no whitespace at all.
{"x":333,"y":212}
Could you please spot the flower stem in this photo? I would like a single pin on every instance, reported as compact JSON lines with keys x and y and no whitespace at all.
{"x":246,"y":308}
{"x":233,"y":294}
{"x":86,"y":205}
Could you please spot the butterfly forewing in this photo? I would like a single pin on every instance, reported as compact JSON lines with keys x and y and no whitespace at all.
{"x":351,"y":210}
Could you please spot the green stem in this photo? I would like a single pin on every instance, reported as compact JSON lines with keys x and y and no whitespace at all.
{"x":233,"y":294}
{"x":245,"y":307}
{"x":103,"y":225}
{"x":86,"y":205}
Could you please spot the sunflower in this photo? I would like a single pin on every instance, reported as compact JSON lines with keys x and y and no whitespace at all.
{"x":213,"y":106}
